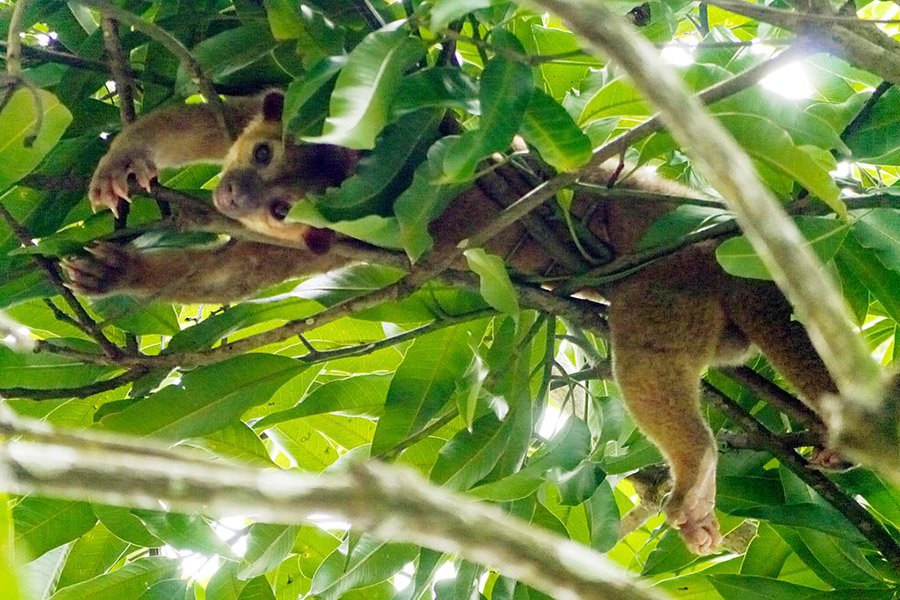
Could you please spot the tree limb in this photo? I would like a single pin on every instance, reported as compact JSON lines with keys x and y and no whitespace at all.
{"x":387,"y":502}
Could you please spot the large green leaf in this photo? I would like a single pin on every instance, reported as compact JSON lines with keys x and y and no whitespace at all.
{"x":824,"y":237}
{"x":506,"y":88}
{"x":128,"y":582}
{"x":228,"y":52}
{"x":17,"y":124}
{"x":362,"y":394}
{"x":207,"y":398}
{"x":368,"y":562}
{"x":91,"y":555}
{"x":877,"y":139}
{"x":377,"y":230}
{"x":881,"y":281}
{"x":437,"y":87}
{"x":424,"y":382}
{"x":42,"y":524}
{"x":548,"y":127}
{"x":383,"y":174}
{"x":46,"y":371}
{"x":426,"y":198}
{"x":360,"y":102}
{"x":267,"y":546}
{"x":751,"y":587}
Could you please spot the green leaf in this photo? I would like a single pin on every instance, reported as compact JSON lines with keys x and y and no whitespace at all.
{"x":601,"y":98}
{"x":10,"y":570}
{"x":91,"y":555}
{"x":805,"y":514}
{"x":17,"y":122}
{"x":879,"y":231}
{"x":184,"y":532}
{"x":564,"y":452}
{"x":380,"y":231}
{"x":824,"y":237}
{"x":506,"y":88}
{"x":128,"y":582}
{"x":444,"y":87}
{"x":42,"y":524}
{"x":362,"y":394}
{"x":267,"y":547}
{"x":445,"y":11}
{"x":882,"y":282}
{"x":126,"y":525}
{"x":227,"y":52}
{"x":770,"y":144}
{"x":306,"y":99}
{"x":168,"y":589}
{"x":604,"y":518}
{"x":224,"y":585}
{"x":360,"y":103}
{"x":495,"y":285}
{"x":138,"y":317}
{"x":750,"y":587}
{"x":316,"y":35}
{"x":383,"y":174}
{"x":877,"y":139}
{"x":46,"y":371}
{"x":369,"y":562}
{"x":766,"y":554}
{"x":669,"y":555}
{"x":471,"y":455}
{"x":424,"y":382}
{"x":548,"y":127}
{"x":207,"y":398}
{"x":426,"y":198}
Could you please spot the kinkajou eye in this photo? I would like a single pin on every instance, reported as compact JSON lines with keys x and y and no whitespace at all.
{"x":262,"y":154}
{"x":279,"y":209}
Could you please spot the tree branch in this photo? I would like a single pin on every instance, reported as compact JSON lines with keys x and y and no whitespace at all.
{"x":76,"y":392}
{"x":387,"y":502}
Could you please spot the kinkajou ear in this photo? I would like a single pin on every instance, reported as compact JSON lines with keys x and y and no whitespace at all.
{"x":273,"y":105}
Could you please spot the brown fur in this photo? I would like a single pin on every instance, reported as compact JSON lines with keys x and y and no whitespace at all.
{"x":668,"y":322}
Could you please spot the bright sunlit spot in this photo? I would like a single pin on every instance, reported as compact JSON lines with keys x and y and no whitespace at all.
{"x":789,"y":81}
{"x":328,"y":522}
{"x":199,"y":567}
{"x":842,"y":169}
{"x":679,"y":55}
{"x":552,"y":421}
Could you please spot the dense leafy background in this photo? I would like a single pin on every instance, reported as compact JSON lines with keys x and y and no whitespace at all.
{"x":478,"y":386}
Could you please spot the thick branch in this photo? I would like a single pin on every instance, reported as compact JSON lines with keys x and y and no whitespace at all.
{"x":765,"y":223}
{"x":387,"y":502}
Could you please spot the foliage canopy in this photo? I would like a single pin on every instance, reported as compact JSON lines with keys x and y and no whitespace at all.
{"x":472,"y":397}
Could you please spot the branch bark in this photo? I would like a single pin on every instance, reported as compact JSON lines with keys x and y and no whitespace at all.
{"x":796,"y":270}
{"x":387,"y":502}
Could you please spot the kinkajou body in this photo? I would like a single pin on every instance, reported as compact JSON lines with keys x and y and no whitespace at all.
{"x":668,"y":321}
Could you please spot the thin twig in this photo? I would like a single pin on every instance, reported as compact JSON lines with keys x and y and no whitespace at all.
{"x":75,"y":392}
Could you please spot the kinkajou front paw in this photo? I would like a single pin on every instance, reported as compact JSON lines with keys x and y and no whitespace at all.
{"x":110,"y":180}
{"x":106,"y":268}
